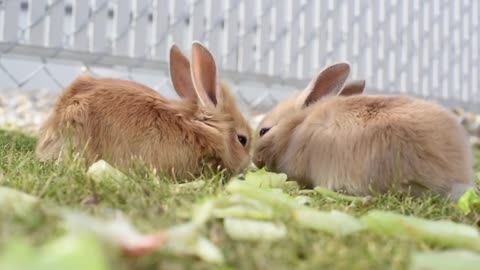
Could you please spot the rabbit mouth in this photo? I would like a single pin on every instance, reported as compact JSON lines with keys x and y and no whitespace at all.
{"x":259,"y":162}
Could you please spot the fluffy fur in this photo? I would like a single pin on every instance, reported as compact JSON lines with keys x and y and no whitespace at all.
{"x":365,"y":144}
{"x":120,"y":120}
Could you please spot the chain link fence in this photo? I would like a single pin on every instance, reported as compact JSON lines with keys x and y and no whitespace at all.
{"x":265,"y":48}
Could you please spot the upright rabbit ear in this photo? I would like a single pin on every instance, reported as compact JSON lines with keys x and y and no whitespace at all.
{"x":328,"y":82}
{"x":180,"y":74}
{"x":205,"y":75}
{"x":353,"y":88}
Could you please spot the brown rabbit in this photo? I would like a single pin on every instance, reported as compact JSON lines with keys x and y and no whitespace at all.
{"x":116,"y":120}
{"x":363,"y":144}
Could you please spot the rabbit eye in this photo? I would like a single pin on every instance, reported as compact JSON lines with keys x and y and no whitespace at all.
{"x":242,"y":139}
{"x":263,"y":131}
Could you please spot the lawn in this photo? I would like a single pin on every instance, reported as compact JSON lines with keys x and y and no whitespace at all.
{"x":151,"y":204}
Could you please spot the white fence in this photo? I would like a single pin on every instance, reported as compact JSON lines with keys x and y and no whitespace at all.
{"x":427,"y":48}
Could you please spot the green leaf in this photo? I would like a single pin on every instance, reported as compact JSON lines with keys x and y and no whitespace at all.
{"x":338,"y":196}
{"x":18,"y":254}
{"x":443,"y":232}
{"x":333,"y":222}
{"x":17,"y":201}
{"x":101,"y":171}
{"x":303,"y":200}
{"x":245,"y":229}
{"x":73,"y":252}
{"x":185,"y":239}
{"x":445,"y":260}
{"x":469,"y":201}
{"x":270,"y":197}
{"x":264,"y":179}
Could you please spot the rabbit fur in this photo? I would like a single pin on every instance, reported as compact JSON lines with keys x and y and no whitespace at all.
{"x":122,"y":121}
{"x":364,"y":144}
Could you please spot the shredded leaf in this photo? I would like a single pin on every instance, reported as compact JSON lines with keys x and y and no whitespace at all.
{"x":118,"y":232}
{"x":338,"y":196}
{"x":445,"y":260}
{"x":245,"y":229}
{"x":443,"y":232}
{"x":303,"y":200}
{"x":198,"y":184}
{"x":102,"y":171}
{"x":16,"y":201}
{"x":469,"y":201}
{"x":265,"y":179}
{"x":273,"y":198}
{"x":67,"y":252}
{"x":333,"y":222}
{"x":185,"y":239}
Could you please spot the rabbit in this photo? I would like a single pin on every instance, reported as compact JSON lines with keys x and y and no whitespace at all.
{"x":364,"y":144}
{"x":117,"y":120}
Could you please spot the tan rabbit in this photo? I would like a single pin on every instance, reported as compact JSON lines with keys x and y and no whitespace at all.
{"x":116,"y":120}
{"x":364,"y":144}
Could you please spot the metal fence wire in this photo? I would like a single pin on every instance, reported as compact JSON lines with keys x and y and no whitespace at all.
{"x":265,"y":48}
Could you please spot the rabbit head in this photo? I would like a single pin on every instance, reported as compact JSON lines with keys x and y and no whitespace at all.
{"x":273,"y":132}
{"x":199,"y":83}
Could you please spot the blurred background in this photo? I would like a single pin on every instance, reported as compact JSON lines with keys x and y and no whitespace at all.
{"x":267,"y":49}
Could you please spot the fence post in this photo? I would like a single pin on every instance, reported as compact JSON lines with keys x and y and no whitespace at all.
{"x":216,"y":34}
{"x":99,"y":42}
{"x":264,"y":21}
{"x":279,"y":51}
{"x":80,"y":25}
{"x":37,"y":22}
{"x":198,"y":19}
{"x":140,"y":17}
{"x":231,"y":27}
{"x":308,"y":41}
{"x":247,"y":40}
{"x":179,"y":31}
{"x":161,"y":29}
{"x":55,"y":28}
{"x":10,"y":20}
{"x":294,"y":37}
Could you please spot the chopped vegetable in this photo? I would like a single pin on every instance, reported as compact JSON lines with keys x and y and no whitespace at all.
{"x":242,"y":207}
{"x":443,"y":232}
{"x":243,"y":211}
{"x":338,"y":196}
{"x":264,"y":179}
{"x":203,"y":211}
{"x":189,"y":185}
{"x":445,"y":260}
{"x":273,"y":198}
{"x":469,"y":200}
{"x":118,"y":232}
{"x":185,"y":239}
{"x":102,"y":171}
{"x":208,"y":252}
{"x":304,"y":200}
{"x":67,"y":252}
{"x":333,"y":222}
{"x":16,"y":201}
{"x":71,"y":251}
{"x":244,"y":229}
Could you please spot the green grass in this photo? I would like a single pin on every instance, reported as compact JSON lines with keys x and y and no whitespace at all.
{"x":149,"y":203}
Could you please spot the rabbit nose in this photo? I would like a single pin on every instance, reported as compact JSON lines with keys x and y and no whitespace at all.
{"x":258,"y":162}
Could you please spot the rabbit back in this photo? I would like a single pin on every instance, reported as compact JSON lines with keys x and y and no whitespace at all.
{"x":365,"y":143}
{"x":117,"y":119}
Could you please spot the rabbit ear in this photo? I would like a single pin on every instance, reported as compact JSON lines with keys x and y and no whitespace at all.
{"x":353,"y":88}
{"x":327,"y":83}
{"x":180,"y":74}
{"x":204,"y":75}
